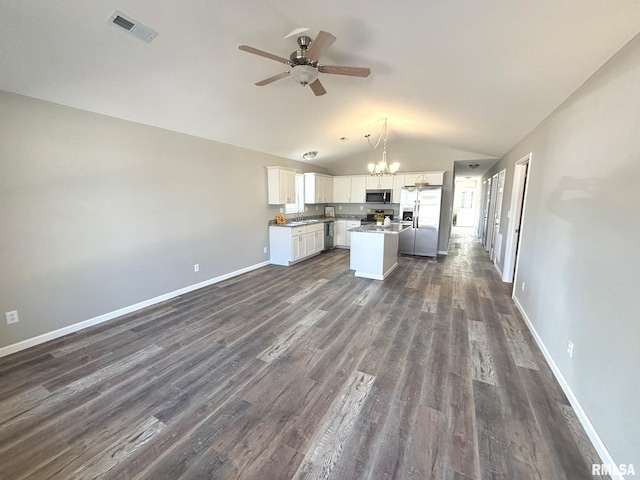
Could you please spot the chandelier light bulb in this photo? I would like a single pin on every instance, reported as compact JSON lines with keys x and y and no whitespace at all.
{"x":382,"y":168}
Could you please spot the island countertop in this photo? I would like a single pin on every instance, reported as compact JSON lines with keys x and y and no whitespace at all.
{"x":394,"y":228}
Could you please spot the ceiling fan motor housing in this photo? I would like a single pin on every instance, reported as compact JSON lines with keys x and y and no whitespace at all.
{"x":298,"y":57}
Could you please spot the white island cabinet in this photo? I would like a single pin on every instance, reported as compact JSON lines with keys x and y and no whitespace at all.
{"x":374,"y":250}
{"x":289,"y":245}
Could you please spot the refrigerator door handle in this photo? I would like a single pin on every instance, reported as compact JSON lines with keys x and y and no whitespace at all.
{"x":416,"y":214}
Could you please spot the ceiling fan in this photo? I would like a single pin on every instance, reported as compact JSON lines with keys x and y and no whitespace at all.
{"x":304,"y":63}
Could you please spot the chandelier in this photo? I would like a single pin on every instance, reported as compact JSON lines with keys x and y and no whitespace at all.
{"x":382,"y":167}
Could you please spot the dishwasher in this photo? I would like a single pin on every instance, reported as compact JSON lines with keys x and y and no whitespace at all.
{"x":329,"y":232}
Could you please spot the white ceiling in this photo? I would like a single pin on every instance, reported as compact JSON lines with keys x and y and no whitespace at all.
{"x":465,"y":74}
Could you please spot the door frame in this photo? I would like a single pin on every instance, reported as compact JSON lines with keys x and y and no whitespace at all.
{"x":493,"y":194}
{"x":497,"y":215}
{"x":517,"y":210}
{"x":486,"y":207}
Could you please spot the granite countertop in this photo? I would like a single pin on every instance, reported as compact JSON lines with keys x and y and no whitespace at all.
{"x":300,"y":223}
{"x":394,"y":228}
{"x":312,"y":220}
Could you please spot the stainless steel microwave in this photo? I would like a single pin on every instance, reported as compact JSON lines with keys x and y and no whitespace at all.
{"x":378,"y":196}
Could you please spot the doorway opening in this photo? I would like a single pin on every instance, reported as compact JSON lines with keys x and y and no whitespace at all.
{"x":465,"y":202}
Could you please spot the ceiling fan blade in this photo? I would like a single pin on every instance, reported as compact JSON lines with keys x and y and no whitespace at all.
{"x":320,"y":45}
{"x":317,"y":88}
{"x":351,"y":71}
{"x":269,"y":80}
{"x":271,"y":56}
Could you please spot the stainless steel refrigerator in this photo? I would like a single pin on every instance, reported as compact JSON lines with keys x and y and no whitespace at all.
{"x":420,"y":207}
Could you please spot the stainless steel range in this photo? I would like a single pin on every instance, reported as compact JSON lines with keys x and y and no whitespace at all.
{"x":385,"y":212}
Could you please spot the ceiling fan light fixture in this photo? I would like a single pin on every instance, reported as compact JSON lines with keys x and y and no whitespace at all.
{"x":304,"y":74}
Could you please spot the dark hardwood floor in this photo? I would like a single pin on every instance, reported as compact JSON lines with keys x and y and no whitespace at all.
{"x":300,"y":372}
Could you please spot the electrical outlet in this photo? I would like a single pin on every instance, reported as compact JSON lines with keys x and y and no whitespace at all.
{"x":570,"y":349}
{"x":523,"y":286}
{"x":12,"y":317}
{"x":265,"y":249}
{"x":196,"y":267}
{"x":361,"y":207}
{"x":339,"y":207}
{"x":317,"y":207}
{"x":282,"y":210}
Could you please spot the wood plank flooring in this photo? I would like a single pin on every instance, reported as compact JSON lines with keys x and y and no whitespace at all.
{"x":302,"y":372}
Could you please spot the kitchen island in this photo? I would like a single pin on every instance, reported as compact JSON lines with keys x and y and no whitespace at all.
{"x":374,"y":250}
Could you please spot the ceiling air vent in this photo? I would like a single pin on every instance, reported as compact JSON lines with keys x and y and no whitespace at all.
{"x":132,"y":26}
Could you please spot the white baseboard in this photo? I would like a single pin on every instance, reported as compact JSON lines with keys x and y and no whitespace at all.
{"x":32,"y":342}
{"x":597,"y":442}
{"x":497,"y":269}
{"x":443,"y":252}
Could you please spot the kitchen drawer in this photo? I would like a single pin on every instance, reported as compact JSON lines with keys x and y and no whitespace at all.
{"x":295,"y":231}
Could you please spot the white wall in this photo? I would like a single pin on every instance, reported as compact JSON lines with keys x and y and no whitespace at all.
{"x":99,"y":214}
{"x":580,"y":256}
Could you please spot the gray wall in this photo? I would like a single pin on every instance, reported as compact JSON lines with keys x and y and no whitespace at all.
{"x":580,"y":244}
{"x":99,"y":214}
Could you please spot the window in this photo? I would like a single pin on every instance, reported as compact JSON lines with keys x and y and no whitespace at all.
{"x":468,"y":196}
{"x":299,"y":205}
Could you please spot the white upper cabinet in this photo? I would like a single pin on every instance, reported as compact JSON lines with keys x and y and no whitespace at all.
{"x":432,"y":178}
{"x":281,"y":183}
{"x":318,"y":188}
{"x":352,"y":188}
{"x":349,"y":189}
{"x":398,"y":183}
{"x":379,"y":183}
{"x":341,"y":189}
{"x":328,"y":189}
{"x":435,"y":178}
{"x":358,"y":189}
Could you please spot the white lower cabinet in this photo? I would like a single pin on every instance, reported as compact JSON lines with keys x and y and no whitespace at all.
{"x":343,"y":235}
{"x":291,"y":244}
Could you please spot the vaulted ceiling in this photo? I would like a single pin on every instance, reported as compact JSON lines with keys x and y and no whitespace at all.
{"x":474,"y":76}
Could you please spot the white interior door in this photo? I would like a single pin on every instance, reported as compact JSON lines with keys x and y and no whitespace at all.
{"x":466,"y":213}
{"x":516,"y":215}
{"x":491,"y":212}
